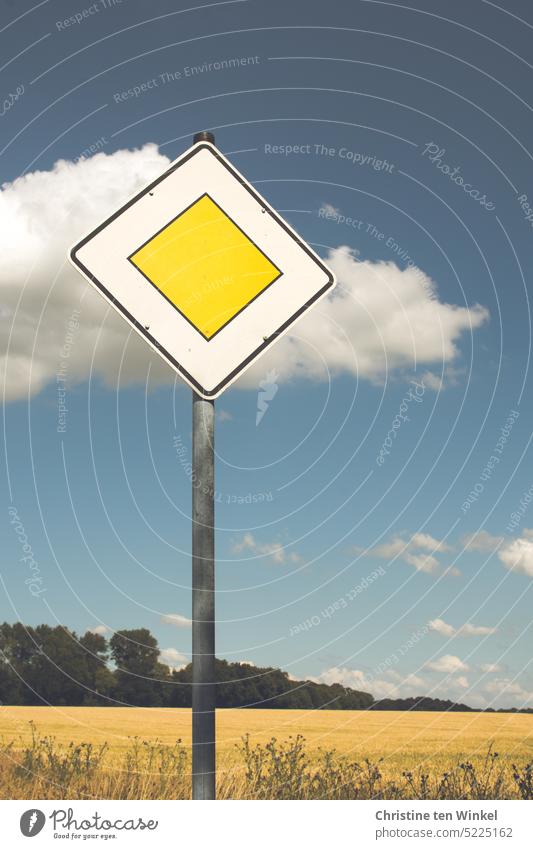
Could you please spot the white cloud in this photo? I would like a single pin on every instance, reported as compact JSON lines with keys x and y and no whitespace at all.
{"x":469,"y":630}
{"x":422,"y":562}
{"x":395,"y":316}
{"x":358,"y":680}
{"x":517,"y":554}
{"x":42,"y":214}
{"x":329,"y":210}
{"x":173,"y":658}
{"x":452,"y":570}
{"x":428,"y":543}
{"x":466,"y":630}
{"x":415,"y":683}
{"x":450,"y":376}
{"x":391,"y":685}
{"x":99,"y":629}
{"x":448,"y":663}
{"x":418,"y":551}
{"x":177,"y":620}
{"x":379,"y":319}
{"x":490,"y":667}
{"x":441,"y":627}
{"x":452,"y":685}
{"x":224,"y":416}
{"x":480,"y":541}
{"x":274,"y":550}
{"x":432,"y":381}
{"x":389,"y":549}
{"x":410,"y":682}
{"x":509,"y":692}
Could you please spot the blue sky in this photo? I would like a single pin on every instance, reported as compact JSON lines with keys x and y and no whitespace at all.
{"x":355,"y":121}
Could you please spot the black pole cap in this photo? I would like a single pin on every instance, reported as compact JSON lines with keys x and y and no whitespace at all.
{"x":204,"y":136}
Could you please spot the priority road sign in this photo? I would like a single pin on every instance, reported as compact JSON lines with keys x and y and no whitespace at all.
{"x":204,"y":269}
{"x":210,"y":275}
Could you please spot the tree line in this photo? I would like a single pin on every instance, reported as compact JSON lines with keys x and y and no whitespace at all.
{"x":54,"y":665}
{"x":46,"y":665}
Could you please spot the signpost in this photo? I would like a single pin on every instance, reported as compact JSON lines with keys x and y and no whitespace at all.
{"x":203,"y":598}
{"x":203,"y":268}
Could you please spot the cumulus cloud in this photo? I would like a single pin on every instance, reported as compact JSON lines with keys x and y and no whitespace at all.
{"x":466,"y":630}
{"x":509,"y":692}
{"x":176,"y":619}
{"x":42,"y":214}
{"x":490,"y":667}
{"x":469,"y":630}
{"x":422,"y":562}
{"x":517,"y":554}
{"x":432,"y":381}
{"x":173,"y":658}
{"x":379,"y":319}
{"x":418,"y":551}
{"x":327,"y":210}
{"x":429,"y":543}
{"x":442,"y":627}
{"x":448,"y":663}
{"x":358,"y":680}
{"x":481,"y":541}
{"x":102,"y":630}
{"x":452,"y":683}
{"x":390,"y":685}
{"x":450,"y":376}
{"x":274,"y":550}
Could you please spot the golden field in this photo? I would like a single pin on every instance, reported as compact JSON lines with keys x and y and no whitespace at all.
{"x":393,"y":742}
{"x":397,"y":736}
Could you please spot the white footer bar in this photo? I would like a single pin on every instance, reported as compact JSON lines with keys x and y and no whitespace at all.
{"x":267,"y":825}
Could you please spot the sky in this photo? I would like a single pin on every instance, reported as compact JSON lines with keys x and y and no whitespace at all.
{"x":374,"y":478}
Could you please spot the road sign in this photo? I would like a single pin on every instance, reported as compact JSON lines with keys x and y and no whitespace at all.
{"x":210,"y":275}
{"x":204,"y":269}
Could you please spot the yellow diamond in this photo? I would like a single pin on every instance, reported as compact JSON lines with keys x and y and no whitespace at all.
{"x":206,"y":266}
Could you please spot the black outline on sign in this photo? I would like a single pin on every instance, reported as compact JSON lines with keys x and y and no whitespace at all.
{"x":143,"y":331}
{"x":223,"y":211}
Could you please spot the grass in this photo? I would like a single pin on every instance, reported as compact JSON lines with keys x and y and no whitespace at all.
{"x":132,"y":753}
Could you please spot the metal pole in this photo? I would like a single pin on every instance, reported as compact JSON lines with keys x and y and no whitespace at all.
{"x":203,"y":599}
{"x":203,"y":590}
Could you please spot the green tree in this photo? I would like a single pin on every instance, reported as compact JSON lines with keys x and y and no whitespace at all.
{"x":11,"y":691}
{"x":60,"y":675}
{"x":138,"y":674}
{"x":101,"y":679}
{"x":18,"y":651}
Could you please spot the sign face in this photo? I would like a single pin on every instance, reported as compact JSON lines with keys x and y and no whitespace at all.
{"x":204,"y":269}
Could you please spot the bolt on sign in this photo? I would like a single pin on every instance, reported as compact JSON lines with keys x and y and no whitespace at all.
{"x":204,"y":269}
